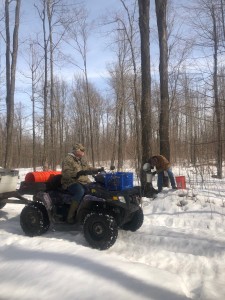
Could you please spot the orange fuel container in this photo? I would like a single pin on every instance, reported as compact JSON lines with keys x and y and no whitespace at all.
{"x":40,"y":176}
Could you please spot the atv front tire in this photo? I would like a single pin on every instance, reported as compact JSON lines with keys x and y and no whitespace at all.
{"x":34,"y":220}
{"x":2,"y":205}
{"x":100,"y":230}
{"x":136,"y":222}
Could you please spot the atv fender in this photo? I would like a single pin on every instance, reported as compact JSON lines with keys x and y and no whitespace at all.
{"x":46,"y":200}
{"x":87,"y":199}
{"x":87,"y":204}
{"x":95,"y":204}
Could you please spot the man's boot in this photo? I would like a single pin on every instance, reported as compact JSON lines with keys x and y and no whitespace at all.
{"x":73,"y":208}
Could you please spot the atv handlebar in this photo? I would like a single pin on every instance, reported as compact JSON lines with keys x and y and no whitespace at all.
{"x":89,"y":172}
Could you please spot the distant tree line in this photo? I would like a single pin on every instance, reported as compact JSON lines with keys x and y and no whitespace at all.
{"x":171,"y":103}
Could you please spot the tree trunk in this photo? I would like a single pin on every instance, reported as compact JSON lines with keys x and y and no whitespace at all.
{"x":144,"y":6}
{"x":130,"y":38}
{"x":216,"y":97}
{"x":89,"y":112}
{"x":52,"y":104}
{"x":161,"y":7}
{"x":33,"y":108}
{"x":10,"y":78}
{"x":42,"y":15}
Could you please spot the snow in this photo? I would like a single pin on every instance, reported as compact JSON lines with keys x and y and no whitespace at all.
{"x":178,"y":253}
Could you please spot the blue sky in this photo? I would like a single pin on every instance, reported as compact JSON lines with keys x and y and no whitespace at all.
{"x":98,"y":52}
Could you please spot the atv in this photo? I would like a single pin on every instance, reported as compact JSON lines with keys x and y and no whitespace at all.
{"x":106,"y":207}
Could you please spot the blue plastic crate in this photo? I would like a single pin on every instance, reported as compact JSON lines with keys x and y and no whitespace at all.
{"x":119,"y":181}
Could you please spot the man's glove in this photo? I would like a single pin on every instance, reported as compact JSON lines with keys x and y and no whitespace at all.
{"x":101,"y":169}
{"x":80,"y":173}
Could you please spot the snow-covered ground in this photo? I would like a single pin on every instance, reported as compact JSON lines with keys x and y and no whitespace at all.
{"x":178,"y":253}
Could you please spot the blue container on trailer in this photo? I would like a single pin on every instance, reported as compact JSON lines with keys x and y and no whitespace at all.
{"x":119,"y":181}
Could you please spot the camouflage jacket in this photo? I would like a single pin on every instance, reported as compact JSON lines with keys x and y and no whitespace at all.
{"x":70,"y":167}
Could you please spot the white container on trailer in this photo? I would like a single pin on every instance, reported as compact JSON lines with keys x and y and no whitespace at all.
{"x":8,"y":180}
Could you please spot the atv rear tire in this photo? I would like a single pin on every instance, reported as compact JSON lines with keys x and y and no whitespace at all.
{"x":34,"y":220}
{"x":100,"y":230}
{"x":136,"y":222}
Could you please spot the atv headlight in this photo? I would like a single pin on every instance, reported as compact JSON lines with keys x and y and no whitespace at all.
{"x":122,"y":199}
{"x":119,"y":198}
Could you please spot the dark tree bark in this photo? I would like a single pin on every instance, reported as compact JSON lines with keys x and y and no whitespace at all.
{"x":50,"y":10}
{"x":219,"y":155}
{"x":42,"y":14}
{"x":144,"y":6}
{"x":161,"y":7}
{"x":11,"y":62}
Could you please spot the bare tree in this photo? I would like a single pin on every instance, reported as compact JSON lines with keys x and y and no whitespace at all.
{"x":78,"y":30}
{"x":55,"y":13}
{"x":216,"y":95}
{"x":42,"y":14}
{"x":117,"y":83}
{"x":51,"y":13}
{"x":161,"y":8}
{"x":130,"y":37}
{"x":34,"y":65}
{"x":11,"y":62}
{"x":146,"y":127}
{"x":207,"y":23}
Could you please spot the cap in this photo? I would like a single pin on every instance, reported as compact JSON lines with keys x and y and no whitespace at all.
{"x":78,"y":146}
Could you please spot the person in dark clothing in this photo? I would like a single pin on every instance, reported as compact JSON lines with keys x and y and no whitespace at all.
{"x":162,"y":165}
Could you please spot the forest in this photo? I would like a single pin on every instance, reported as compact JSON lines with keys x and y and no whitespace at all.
{"x":167,"y":99}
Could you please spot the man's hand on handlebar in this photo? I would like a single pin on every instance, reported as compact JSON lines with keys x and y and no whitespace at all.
{"x":89,"y":172}
{"x":82,"y":173}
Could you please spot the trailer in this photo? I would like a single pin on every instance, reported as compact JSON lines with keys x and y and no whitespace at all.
{"x":8,"y":188}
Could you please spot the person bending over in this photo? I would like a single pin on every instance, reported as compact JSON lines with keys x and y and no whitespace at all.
{"x":162,"y":164}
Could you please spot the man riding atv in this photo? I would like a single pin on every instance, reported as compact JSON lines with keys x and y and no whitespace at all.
{"x":74,"y":177}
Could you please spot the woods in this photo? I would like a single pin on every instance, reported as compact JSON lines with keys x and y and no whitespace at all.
{"x":167,"y":99}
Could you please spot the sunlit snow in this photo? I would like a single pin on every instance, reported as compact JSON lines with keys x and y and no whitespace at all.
{"x":178,"y":253}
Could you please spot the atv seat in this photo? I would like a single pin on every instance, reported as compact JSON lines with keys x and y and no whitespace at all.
{"x":54,"y":183}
